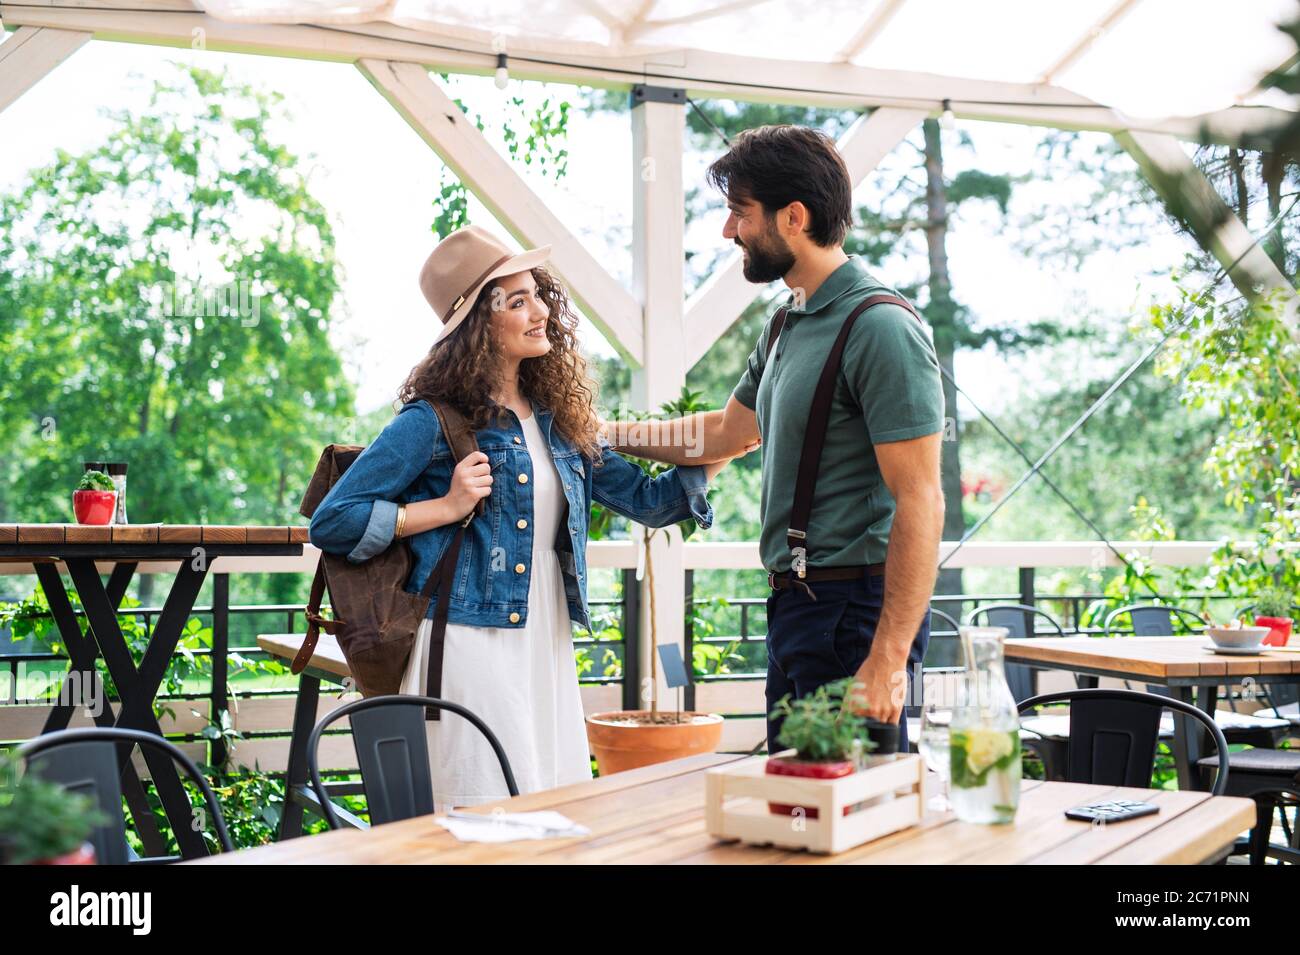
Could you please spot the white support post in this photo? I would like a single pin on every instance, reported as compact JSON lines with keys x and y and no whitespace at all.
{"x":658,"y":271}
{"x":31,"y":53}
{"x":721,"y":299}
{"x":465,"y":150}
{"x":1190,"y":195}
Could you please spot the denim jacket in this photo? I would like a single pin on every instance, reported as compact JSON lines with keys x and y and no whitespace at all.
{"x":411,"y":461}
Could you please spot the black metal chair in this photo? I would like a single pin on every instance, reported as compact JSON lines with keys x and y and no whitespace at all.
{"x":90,"y":761}
{"x":1020,"y":621}
{"x":944,"y":650}
{"x":393,"y":755}
{"x":1113,"y":736}
{"x":1283,"y":699}
{"x":1161,"y":620}
{"x":1271,"y":777}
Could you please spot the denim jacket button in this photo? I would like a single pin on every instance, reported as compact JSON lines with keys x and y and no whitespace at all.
{"x":521,"y":523}
{"x":517,"y":441}
{"x":519,"y":568}
{"x":514,"y":618}
{"x":523,"y":479}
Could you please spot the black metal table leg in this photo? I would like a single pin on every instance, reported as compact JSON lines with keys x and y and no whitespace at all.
{"x":1187,"y":742}
{"x":82,"y":654}
{"x":138,"y":688}
{"x":304,"y":720}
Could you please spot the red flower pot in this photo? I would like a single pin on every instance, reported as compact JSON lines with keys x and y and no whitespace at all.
{"x":82,"y":855}
{"x":789,"y":766}
{"x":1279,"y":632}
{"x":94,"y":507}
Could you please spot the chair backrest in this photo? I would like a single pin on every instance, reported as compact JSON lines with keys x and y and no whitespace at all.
{"x":393,"y":755}
{"x":944,"y":649}
{"x":1020,"y":620}
{"x":88,"y":761}
{"x":1113,"y":735}
{"x":1153,"y":620}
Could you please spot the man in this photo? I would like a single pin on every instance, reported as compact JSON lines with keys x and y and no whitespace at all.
{"x":877,"y":511}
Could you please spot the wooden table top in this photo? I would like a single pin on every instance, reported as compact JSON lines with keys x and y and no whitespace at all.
{"x":151,"y":534}
{"x":1157,"y":659}
{"x":656,"y":815}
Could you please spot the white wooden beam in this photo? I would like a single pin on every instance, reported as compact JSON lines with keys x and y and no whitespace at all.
{"x":30,"y":54}
{"x":466,"y":151}
{"x":699,"y":72}
{"x":872,"y":28}
{"x":1083,"y":44}
{"x":1191,"y":196}
{"x":721,"y":298}
{"x":658,"y":278}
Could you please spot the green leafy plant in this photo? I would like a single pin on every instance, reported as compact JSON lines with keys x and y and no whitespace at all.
{"x":1274,"y":602}
{"x":95,"y":481}
{"x":40,"y":819}
{"x":818,"y":727}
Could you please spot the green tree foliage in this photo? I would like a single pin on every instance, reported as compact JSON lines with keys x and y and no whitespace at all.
{"x":165,"y":300}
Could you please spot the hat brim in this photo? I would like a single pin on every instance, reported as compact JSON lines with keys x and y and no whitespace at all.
{"x":518,"y":263}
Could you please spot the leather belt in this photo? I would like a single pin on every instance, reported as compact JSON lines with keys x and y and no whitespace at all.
{"x":787,"y":579}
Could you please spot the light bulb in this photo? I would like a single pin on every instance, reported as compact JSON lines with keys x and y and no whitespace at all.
{"x":947,"y":121}
{"x":502,"y":76}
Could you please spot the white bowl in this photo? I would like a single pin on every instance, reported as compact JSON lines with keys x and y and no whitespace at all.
{"x":1244,"y":637}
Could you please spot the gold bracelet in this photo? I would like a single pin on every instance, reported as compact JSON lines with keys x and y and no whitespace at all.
{"x":401,"y":520}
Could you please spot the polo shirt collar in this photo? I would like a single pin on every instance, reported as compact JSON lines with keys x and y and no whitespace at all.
{"x":842,"y":280}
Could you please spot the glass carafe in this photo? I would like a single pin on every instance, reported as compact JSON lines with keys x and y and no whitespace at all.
{"x":984,"y":738}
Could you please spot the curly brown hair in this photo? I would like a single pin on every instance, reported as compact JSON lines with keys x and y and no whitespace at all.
{"x":464,"y":368}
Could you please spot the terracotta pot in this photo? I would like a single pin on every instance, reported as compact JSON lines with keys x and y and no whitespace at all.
{"x":807,"y":769}
{"x":94,"y":507}
{"x":82,"y":855}
{"x":620,"y":744}
{"x":1279,"y":630}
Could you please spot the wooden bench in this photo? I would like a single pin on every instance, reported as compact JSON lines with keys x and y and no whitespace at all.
{"x":327,"y":663}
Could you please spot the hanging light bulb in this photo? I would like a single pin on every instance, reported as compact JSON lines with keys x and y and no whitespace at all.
{"x":502,"y":75}
{"x":947,"y":121}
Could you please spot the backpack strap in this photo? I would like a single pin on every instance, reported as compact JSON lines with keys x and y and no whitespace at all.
{"x":460,"y":435}
{"x":778,"y":323}
{"x":815,"y":437}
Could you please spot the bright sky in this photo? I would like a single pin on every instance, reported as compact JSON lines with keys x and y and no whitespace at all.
{"x":378,"y":179}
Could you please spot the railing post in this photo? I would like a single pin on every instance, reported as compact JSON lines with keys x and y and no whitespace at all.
{"x":220,"y":665}
{"x":1027,"y":586}
{"x":631,"y":640}
{"x":688,"y":643}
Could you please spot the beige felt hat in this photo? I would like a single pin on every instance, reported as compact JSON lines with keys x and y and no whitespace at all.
{"x":459,"y":267}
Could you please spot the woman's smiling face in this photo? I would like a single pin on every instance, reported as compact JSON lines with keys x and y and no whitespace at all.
{"x":520,"y":316}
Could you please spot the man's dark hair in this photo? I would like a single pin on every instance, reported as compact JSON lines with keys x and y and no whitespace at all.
{"x":778,"y":165}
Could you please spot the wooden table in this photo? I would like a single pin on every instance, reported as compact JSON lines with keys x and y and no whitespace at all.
{"x":1183,"y":663}
{"x":78,"y":547}
{"x":656,"y":815}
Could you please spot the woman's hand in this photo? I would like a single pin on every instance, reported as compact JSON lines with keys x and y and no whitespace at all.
{"x":471,"y":481}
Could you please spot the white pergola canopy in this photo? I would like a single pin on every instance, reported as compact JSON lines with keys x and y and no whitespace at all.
{"x":1143,"y":58}
{"x":1149,"y":72}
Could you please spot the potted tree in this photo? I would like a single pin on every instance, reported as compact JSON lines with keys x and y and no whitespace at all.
{"x":95,"y":499}
{"x":829,"y":741}
{"x":41,"y":823}
{"x":627,"y":739}
{"x":1273,"y":610}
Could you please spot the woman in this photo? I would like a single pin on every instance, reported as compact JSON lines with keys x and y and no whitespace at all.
{"x":507,"y":358}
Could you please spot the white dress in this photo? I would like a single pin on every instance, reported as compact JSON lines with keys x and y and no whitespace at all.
{"x":522,"y":682}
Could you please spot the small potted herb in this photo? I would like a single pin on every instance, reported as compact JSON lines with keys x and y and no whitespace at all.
{"x":41,"y":823}
{"x":828,"y":739}
{"x":95,"y":498}
{"x":1273,"y":610}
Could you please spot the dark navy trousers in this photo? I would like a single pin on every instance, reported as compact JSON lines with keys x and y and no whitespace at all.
{"x":813,"y":642}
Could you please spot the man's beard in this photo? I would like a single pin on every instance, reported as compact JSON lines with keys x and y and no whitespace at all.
{"x":769,"y":261}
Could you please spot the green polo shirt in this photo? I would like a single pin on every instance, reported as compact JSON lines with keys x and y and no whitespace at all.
{"x":888,"y":389}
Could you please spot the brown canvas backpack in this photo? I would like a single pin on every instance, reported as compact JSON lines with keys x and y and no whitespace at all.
{"x":373,"y":617}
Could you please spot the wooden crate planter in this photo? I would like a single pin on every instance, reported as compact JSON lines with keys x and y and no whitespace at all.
{"x":737,"y":795}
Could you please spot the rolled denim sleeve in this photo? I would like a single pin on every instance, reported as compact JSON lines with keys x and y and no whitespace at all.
{"x":358,"y":517}
{"x":676,"y":495}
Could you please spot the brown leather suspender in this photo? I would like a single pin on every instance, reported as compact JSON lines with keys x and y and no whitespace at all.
{"x":814,"y":441}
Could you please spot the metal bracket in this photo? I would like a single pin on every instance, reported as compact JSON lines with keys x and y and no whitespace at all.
{"x":642,"y":93}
